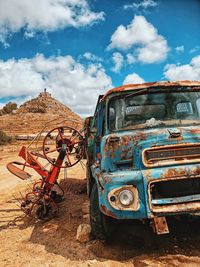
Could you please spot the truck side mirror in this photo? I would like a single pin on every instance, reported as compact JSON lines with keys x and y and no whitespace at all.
{"x":88,"y":121}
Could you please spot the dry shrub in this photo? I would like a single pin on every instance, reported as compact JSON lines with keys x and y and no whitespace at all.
{"x":4,"y":138}
{"x":8,"y":108}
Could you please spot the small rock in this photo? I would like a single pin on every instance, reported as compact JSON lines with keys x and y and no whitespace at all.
{"x":85,"y":207}
{"x":83,"y":233}
{"x":86,"y":216}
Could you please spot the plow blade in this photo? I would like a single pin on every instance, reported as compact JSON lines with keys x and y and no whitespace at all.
{"x":17,"y":171}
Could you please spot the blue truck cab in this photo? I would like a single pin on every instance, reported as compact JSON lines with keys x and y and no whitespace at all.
{"x":143,"y":154}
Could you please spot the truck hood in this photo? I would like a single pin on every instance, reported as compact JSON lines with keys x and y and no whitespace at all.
{"x":123,"y":149}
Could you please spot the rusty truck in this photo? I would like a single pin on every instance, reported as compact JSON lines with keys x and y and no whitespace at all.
{"x":143,"y":154}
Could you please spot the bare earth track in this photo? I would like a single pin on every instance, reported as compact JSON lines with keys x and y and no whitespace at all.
{"x":25,"y":242}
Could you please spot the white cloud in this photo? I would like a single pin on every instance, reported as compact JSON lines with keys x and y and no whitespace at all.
{"x":179,"y":49}
{"x":133,"y":79}
{"x":118,"y":60}
{"x":130,"y":58}
{"x":194,"y":49}
{"x":189,"y":71}
{"x":18,"y":100}
{"x":142,"y":36}
{"x":91,"y":57}
{"x":44,"y":15}
{"x":69,"y":81}
{"x":142,"y":4}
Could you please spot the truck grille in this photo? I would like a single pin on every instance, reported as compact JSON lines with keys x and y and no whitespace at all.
{"x":171,"y":154}
{"x":171,"y":194}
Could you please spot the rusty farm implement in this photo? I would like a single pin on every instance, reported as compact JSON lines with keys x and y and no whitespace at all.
{"x":48,"y":154}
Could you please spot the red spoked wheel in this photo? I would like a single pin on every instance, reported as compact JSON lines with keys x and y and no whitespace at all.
{"x":69,"y":136}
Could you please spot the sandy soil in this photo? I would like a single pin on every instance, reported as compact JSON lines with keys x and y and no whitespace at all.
{"x":25,"y":242}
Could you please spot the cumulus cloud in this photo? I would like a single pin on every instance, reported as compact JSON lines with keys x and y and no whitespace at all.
{"x":142,"y":37}
{"x":130,"y":58}
{"x":141,"y":5}
{"x":118,"y":60}
{"x":45,"y":15}
{"x":133,"y":78}
{"x":189,"y":71}
{"x":179,"y":49}
{"x":91,"y":57}
{"x":72,"y":83}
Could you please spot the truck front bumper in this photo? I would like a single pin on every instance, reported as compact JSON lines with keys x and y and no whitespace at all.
{"x":144,"y":206}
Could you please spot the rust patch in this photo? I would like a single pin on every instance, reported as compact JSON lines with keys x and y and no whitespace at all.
{"x":122,"y":144}
{"x":108,"y":212}
{"x":148,"y":175}
{"x":126,"y":152}
{"x":178,"y":172}
{"x":175,"y":172}
{"x":160,"y":225}
{"x":194,"y":131}
{"x":98,"y":178}
{"x":176,"y":208}
{"x":107,"y":179}
{"x":165,"y":84}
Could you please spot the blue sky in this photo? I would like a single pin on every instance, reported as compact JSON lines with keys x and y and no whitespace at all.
{"x":78,"y":49}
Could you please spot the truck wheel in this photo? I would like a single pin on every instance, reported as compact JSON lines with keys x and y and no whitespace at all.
{"x":90,"y":179}
{"x":98,"y":220}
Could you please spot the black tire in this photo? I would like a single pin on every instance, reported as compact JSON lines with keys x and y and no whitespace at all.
{"x":44,"y":212}
{"x":90,"y":179}
{"x":98,"y":220}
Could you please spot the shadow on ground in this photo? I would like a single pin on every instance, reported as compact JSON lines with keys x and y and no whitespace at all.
{"x":129,"y":240}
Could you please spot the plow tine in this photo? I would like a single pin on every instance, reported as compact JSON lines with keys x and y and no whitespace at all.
{"x":17,"y":201}
{"x":30,"y":187}
{"x":15,"y":198}
{"x":22,"y":195}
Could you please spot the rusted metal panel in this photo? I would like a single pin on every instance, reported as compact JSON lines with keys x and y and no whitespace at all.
{"x":171,"y":154}
{"x":160,"y":225}
{"x":108,"y":212}
{"x":164,"y":84}
{"x":167,"y":201}
{"x":181,"y":208}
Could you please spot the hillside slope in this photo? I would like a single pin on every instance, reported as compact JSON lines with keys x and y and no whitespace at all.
{"x":31,"y":116}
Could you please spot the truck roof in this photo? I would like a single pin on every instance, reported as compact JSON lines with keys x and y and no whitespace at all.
{"x":163,"y":84}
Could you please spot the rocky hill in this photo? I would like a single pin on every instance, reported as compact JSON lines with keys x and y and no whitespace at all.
{"x":31,"y":116}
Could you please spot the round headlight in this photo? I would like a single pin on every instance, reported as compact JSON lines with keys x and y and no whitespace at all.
{"x":126,"y":197}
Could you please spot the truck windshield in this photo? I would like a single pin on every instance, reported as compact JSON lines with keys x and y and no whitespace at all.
{"x":154,"y":110}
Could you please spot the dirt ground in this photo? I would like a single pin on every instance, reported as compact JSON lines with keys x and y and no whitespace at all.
{"x":25,"y":242}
